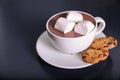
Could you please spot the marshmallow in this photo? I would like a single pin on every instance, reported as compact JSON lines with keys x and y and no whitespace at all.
{"x":64,"y":25}
{"x":84,"y":27}
{"x":74,"y":16}
{"x":80,"y":29}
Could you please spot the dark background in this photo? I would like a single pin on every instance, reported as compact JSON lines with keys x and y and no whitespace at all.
{"x":23,"y":21}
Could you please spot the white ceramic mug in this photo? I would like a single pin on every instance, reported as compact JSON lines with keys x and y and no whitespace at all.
{"x":75,"y":44}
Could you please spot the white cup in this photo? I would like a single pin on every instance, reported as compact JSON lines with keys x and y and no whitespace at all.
{"x":73,"y":45}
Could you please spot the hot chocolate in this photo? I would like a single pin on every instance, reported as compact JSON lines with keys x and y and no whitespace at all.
{"x":66,"y":36}
{"x":72,"y":33}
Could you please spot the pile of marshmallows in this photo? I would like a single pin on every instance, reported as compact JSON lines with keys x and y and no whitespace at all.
{"x":74,"y":21}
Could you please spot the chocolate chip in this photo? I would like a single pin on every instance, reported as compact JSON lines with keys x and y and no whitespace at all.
{"x":115,"y":43}
{"x":105,"y":46}
{"x":98,"y":49}
{"x":84,"y":56}
{"x":100,"y":55}
{"x":92,"y":58}
{"x":104,"y":55}
{"x":109,"y":43}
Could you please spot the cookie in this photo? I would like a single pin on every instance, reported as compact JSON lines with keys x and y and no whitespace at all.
{"x":104,"y":43}
{"x":94,"y":56}
{"x":104,"y":55}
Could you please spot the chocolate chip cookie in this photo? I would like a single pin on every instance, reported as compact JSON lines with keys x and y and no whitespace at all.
{"x":104,"y":43}
{"x":94,"y":56}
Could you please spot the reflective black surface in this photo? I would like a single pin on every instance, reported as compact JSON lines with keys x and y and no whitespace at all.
{"x":23,"y":21}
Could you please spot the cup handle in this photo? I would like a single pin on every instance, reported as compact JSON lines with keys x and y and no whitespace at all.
{"x":100,"y":24}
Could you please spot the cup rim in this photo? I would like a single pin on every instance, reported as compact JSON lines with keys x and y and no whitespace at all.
{"x":67,"y":12}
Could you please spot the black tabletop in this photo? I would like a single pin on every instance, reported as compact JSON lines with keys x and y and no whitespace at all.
{"x":23,"y":21}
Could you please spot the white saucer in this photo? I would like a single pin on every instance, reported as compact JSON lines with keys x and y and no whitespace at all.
{"x":58,"y":59}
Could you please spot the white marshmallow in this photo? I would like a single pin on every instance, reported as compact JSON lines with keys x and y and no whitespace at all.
{"x":64,"y":25}
{"x":74,"y":16}
{"x":80,"y":29}
{"x":84,"y":27}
